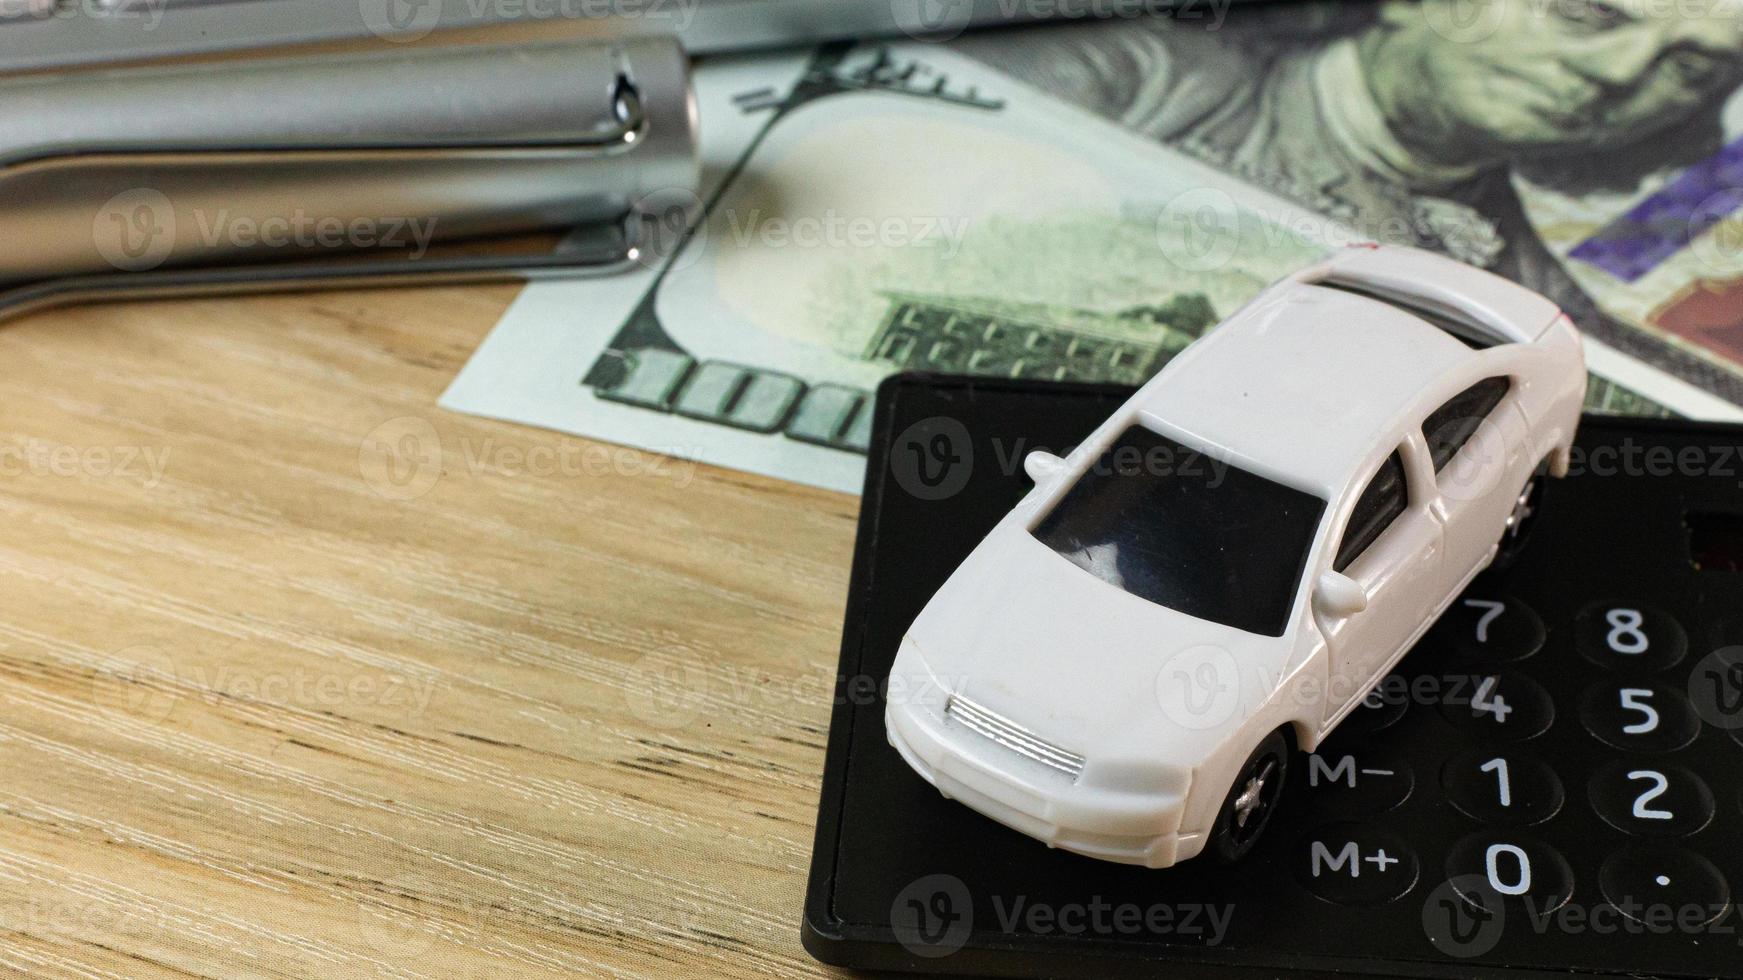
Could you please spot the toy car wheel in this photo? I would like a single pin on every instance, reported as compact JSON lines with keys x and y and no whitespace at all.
{"x":1523,"y":516}
{"x":1252,"y":799}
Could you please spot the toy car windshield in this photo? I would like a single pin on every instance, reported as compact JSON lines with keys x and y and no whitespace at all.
{"x":1168,"y":523}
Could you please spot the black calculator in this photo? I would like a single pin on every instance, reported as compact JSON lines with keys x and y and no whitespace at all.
{"x":1549,"y":784}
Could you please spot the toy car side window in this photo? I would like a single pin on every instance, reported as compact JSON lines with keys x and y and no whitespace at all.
{"x":1376,"y":509}
{"x":1453,"y":424}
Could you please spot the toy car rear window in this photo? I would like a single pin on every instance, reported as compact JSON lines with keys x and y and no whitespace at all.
{"x":1453,"y":424}
{"x":1461,"y":328}
{"x":1169,"y":524}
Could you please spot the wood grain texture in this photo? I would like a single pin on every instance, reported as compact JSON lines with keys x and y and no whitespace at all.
{"x":302,"y":676}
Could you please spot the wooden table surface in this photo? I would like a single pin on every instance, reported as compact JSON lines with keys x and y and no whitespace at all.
{"x":303,"y":676}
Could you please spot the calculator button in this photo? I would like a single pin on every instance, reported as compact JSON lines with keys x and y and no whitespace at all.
{"x":1639,"y":717}
{"x":1502,"y":786}
{"x":1488,"y":629}
{"x":1628,"y":636}
{"x":1355,"y":864}
{"x":1359,"y":782}
{"x":1651,"y":799}
{"x":1499,"y":865}
{"x":1380,"y":709}
{"x":1505,"y":706}
{"x":1716,"y":689}
{"x":1658,"y":883}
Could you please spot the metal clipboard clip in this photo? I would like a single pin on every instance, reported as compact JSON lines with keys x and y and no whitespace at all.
{"x":441,"y":165}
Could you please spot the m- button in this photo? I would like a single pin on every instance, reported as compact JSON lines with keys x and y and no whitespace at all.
{"x":1361,"y":782}
{"x":1354,"y":864}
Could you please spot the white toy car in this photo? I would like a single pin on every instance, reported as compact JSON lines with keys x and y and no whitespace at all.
{"x":1233,"y":560}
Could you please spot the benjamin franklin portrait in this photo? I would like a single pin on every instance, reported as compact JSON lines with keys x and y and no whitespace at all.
{"x":1408,"y":120}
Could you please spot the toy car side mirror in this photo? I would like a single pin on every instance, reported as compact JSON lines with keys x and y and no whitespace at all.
{"x":1336,"y":595}
{"x":1042,"y":465}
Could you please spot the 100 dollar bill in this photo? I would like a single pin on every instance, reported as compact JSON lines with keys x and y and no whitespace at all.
{"x":877,"y":209}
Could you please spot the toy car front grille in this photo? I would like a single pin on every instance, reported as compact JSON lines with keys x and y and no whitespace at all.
{"x":1011,"y":735}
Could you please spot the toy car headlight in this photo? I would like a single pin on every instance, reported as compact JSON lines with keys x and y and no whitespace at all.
{"x":1137,"y":776}
{"x":912,"y":683}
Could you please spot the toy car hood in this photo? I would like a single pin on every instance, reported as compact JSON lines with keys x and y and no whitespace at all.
{"x":1022,"y":632}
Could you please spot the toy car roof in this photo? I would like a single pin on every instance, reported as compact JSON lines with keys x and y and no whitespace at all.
{"x":1302,"y":384}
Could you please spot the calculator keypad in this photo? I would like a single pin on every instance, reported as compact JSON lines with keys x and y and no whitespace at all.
{"x":1715,"y":689}
{"x":1629,"y":636}
{"x":1490,"y":631}
{"x":1507,"y":706}
{"x":1650,"y":799}
{"x":1509,"y":766}
{"x":1377,"y":712}
{"x":1510,"y":867}
{"x":1502,"y":786}
{"x":1439,"y":820}
{"x":1639,"y":716}
{"x":1364,"y":782}
{"x":1641,"y":878}
{"x":1356,"y":864}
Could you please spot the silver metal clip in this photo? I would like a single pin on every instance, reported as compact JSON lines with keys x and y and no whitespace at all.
{"x":349,"y":171}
